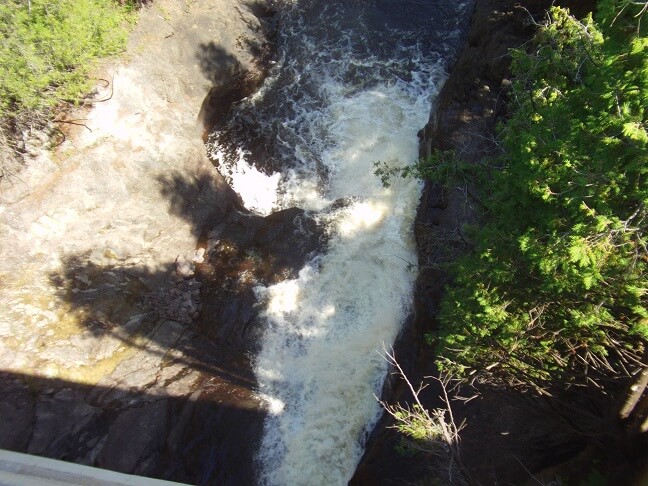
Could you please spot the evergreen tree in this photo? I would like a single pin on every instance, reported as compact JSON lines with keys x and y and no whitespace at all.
{"x":555,"y":289}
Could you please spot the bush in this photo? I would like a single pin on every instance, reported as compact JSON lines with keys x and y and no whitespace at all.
{"x":47,"y":48}
{"x":555,"y":290}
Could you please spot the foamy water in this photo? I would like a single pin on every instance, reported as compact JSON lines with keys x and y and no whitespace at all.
{"x":351,"y":89}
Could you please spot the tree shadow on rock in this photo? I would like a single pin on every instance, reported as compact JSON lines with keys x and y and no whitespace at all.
{"x":231,"y":81}
{"x":119,"y":305}
{"x":217,"y":64}
{"x":180,"y":328}
{"x":202,"y":200}
{"x":175,"y":404}
{"x":262,"y":47}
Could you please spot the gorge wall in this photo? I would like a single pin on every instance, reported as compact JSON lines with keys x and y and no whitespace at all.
{"x":101,"y":360}
{"x":499,"y":445}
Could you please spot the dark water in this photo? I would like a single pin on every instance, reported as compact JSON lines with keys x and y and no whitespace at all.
{"x":358,"y":44}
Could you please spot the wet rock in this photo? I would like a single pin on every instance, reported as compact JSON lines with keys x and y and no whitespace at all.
{"x":181,"y":302}
{"x":178,"y":380}
{"x":217,"y":441}
{"x":249,"y":251}
{"x":236,"y":86}
{"x":184,"y":268}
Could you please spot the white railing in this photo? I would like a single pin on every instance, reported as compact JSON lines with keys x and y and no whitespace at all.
{"x":26,"y":470}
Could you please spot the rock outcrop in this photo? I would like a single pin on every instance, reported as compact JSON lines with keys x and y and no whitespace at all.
{"x":245,"y":251}
{"x":102,"y":362}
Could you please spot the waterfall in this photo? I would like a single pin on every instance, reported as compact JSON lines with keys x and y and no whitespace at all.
{"x":352,"y":86}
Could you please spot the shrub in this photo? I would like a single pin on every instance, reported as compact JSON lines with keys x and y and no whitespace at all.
{"x":47,"y":48}
{"x":555,"y":291}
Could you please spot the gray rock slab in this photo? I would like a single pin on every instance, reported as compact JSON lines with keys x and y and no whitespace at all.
{"x":135,"y":436}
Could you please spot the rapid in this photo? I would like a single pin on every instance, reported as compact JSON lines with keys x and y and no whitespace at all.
{"x":353,"y":83}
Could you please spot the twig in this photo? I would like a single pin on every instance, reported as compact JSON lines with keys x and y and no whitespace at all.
{"x":74,"y":122}
{"x":440,"y":428}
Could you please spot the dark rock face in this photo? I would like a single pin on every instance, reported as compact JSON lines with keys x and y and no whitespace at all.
{"x":127,"y":452}
{"x":221,"y":97}
{"x":250,"y":250}
{"x":17,"y":411}
{"x":467,"y":110}
{"x":231,"y":82}
{"x":195,"y":421}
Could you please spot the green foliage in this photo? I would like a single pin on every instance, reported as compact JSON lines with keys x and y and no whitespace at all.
{"x":556,"y":286}
{"x":47,"y":48}
{"x":417,"y":424}
{"x":622,"y":18}
{"x":443,"y":167}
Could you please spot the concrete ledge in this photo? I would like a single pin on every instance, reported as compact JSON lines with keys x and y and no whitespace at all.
{"x":26,"y":470}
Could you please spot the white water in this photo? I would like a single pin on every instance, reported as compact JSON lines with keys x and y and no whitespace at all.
{"x":320,"y":365}
{"x":319,"y":362}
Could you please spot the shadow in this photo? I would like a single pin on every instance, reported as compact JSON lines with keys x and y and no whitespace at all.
{"x":170,"y":346}
{"x":158,"y":378}
{"x":220,"y":66}
{"x":510,"y":438}
{"x":147,"y":312}
{"x":262,"y":48}
{"x":231,"y":81}
{"x":260,"y":9}
{"x":179,"y":438}
{"x":178,"y":405}
{"x":248,"y":251}
{"x":216,"y":64}
{"x":201,"y":200}
{"x":230,"y":86}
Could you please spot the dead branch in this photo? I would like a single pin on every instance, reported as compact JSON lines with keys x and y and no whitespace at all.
{"x":436,"y":432}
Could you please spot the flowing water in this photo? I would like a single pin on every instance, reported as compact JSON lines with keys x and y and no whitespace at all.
{"x":353,"y":84}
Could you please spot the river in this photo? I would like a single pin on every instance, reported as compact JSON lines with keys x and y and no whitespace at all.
{"x":352,"y":84}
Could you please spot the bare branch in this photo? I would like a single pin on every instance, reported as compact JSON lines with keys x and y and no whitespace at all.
{"x":435,"y":432}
